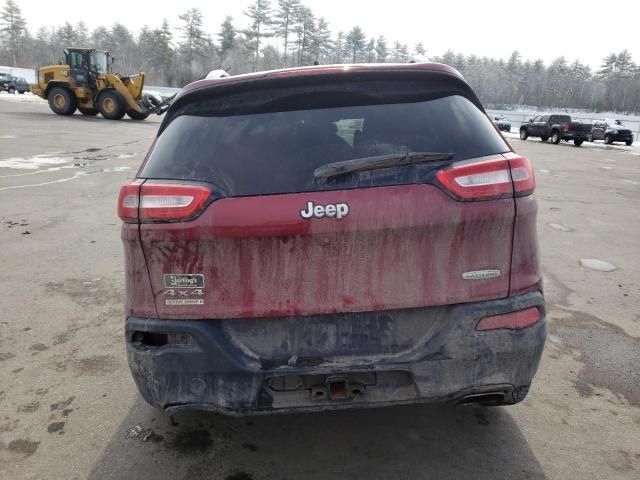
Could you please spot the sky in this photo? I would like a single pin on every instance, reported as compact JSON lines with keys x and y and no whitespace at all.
{"x":481,"y":27}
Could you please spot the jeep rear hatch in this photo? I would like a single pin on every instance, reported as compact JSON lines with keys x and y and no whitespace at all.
{"x":236,"y":221}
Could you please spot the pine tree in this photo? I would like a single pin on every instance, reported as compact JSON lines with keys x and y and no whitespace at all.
{"x":304,"y":28}
{"x":370,"y":51}
{"x":193,"y":36}
{"x":355,"y":42}
{"x":163,"y":38}
{"x":226,"y":37}
{"x":259,"y":12}
{"x":12,"y":29}
{"x":321,"y":42}
{"x":283,"y":21}
{"x":67,"y":35}
{"x":382,"y":51}
{"x":100,"y":37}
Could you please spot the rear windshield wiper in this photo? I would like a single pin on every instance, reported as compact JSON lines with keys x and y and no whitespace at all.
{"x":373,"y":163}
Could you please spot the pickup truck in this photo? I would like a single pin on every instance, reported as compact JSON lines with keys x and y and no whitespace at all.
{"x":13,"y":84}
{"x":556,"y":127}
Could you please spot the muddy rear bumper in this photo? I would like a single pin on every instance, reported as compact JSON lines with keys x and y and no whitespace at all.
{"x":273,"y":365}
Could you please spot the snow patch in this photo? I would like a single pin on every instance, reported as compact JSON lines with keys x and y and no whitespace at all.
{"x":32,"y":163}
{"x":560,"y":227}
{"x":599,"y":265}
{"x":16,"y":97}
{"x":61,"y":180}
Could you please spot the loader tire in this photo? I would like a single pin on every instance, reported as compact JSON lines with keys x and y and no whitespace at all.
{"x":62,"y":101}
{"x":90,"y":112}
{"x":111,"y":105}
{"x":133,"y":115}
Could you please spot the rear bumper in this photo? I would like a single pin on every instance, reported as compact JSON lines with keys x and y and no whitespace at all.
{"x":205,"y":365}
{"x":621,"y":137}
{"x":575,"y":135}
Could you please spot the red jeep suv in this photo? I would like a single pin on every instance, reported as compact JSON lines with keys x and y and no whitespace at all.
{"x":331,"y":237}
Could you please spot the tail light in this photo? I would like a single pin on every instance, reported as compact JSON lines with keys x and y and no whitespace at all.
{"x":524,"y":181}
{"x":565,"y":127}
{"x":487,"y":179}
{"x":148,"y":202}
{"x":511,"y":321}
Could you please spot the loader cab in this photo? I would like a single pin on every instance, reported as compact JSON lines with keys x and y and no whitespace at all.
{"x":86,"y":65}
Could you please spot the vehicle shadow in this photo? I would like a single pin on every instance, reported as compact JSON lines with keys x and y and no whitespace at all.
{"x":409,"y":442}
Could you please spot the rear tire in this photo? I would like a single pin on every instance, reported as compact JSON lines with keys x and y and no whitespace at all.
{"x":133,"y":115}
{"x":629,"y":142}
{"x":524,"y":134}
{"x":62,"y":101}
{"x":555,"y":137}
{"x":11,"y":90}
{"x":607,"y":140}
{"x":111,"y":105}
{"x":90,"y":112}
{"x":578,"y":141}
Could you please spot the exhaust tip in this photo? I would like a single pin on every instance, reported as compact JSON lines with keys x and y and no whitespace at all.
{"x":486,"y":398}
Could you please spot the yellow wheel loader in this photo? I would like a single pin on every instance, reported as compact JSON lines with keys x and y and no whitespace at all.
{"x":85,"y":83}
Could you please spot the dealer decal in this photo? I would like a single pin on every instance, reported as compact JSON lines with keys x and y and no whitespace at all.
{"x":184,"y":301}
{"x":183,"y":289}
{"x":183,"y":280}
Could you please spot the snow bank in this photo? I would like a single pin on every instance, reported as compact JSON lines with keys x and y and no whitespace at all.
{"x":17,"y":97}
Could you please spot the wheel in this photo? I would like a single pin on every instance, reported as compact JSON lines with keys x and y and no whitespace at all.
{"x":136,"y":115}
{"x":544,"y":139}
{"x":90,"y":112}
{"x":578,"y":141}
{"x":555,"y":137}
{"x":629,"y":142}
{"x":111,"y":105}
{"x":524,"y":134}
{"x":607,"y":140}
{"x":509,"y":129}
{"x":62,"y":101}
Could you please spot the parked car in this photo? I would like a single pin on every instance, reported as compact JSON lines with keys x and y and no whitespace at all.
{"x":331,"y":237}
{"x":13,"y":84}
{"x":611,"y":131}
{"x":557,"y":127}
{"x":502,"y":123}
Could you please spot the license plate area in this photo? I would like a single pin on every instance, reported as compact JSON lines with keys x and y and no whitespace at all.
{"x":324,"y":387}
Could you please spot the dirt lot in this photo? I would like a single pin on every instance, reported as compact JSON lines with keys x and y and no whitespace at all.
{"x":69,"y":408}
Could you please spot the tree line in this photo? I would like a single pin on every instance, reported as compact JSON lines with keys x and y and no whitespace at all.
{"x":286,"y":33}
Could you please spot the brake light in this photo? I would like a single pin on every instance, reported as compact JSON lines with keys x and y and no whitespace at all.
{"x":511,"y":321}
{"x":128,"y":202}
{"x":487,"y":179}
{"x":524,"y":181}
{"x":565,"y":127}
{"x":160,"y":202}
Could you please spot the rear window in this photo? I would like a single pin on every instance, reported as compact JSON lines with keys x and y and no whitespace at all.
{"x":277,"y":152}
{"x":560,"y":119}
